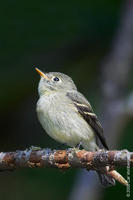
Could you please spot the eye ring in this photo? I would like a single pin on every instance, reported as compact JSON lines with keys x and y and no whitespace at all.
{"x":56,"y":79}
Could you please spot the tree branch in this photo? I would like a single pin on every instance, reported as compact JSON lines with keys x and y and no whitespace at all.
{"x":65,"y":159}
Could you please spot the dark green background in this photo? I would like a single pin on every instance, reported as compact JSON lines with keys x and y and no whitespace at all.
{"x":72,"y":37}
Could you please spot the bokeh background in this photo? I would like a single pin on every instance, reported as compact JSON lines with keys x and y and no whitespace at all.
{"x":72,"y":37}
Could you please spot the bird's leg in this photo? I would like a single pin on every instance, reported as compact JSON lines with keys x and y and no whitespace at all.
{"x":77,"y":147}
{"x":33,"y":148}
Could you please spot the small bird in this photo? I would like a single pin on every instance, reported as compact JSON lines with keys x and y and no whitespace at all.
{"x":67,"y":116}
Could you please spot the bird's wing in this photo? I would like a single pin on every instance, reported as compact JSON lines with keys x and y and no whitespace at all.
{"x":86,"y":111}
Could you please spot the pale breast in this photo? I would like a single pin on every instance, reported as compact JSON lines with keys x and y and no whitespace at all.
{"x":61,"y":120}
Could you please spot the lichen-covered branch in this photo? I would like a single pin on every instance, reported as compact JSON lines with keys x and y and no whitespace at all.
{"x":64,"y":159}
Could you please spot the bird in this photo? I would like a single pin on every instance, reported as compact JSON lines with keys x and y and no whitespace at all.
{"x":67,"y":116}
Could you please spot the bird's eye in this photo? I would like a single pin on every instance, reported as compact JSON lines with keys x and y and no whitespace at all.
{"x":56,"y":79}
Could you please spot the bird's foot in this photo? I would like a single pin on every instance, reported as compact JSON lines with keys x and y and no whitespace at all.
{"x":77,"y":147}
{"x":101,"y":150}
{"x":33,"y":148}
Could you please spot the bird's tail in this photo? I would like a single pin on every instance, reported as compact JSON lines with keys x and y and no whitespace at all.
{"x":108,"y":179}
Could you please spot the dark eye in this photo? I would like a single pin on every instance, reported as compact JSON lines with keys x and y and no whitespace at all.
{"x":56,"y":79}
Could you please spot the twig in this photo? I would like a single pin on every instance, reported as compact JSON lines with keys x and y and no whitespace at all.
{"x":65,"y":159}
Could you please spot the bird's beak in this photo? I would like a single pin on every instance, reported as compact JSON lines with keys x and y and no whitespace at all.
{"x":41,"y":73}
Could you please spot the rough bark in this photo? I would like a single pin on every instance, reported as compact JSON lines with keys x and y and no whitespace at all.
{"x":64,"y":159}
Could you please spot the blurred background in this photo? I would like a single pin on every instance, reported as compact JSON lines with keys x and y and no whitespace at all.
{"x":91,"y":41}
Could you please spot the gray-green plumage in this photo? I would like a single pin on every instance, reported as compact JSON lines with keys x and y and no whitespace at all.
{"x":66,"y":115}
{"x":84,"y":108}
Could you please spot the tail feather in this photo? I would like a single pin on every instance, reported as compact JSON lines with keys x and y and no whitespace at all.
{"x":109,"y":179}
{"x":106,"y":180}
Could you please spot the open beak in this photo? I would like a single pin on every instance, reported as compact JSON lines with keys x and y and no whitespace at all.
{"x":41,"y":73}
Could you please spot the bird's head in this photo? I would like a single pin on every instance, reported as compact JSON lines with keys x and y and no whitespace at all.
{"x":54,"y":81}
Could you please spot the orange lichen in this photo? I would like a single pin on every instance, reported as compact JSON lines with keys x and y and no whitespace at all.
{"x":85,"y":157}
{"x":63,"y":166}
{"x":9,"y":158}
{"x":61,"y":157}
